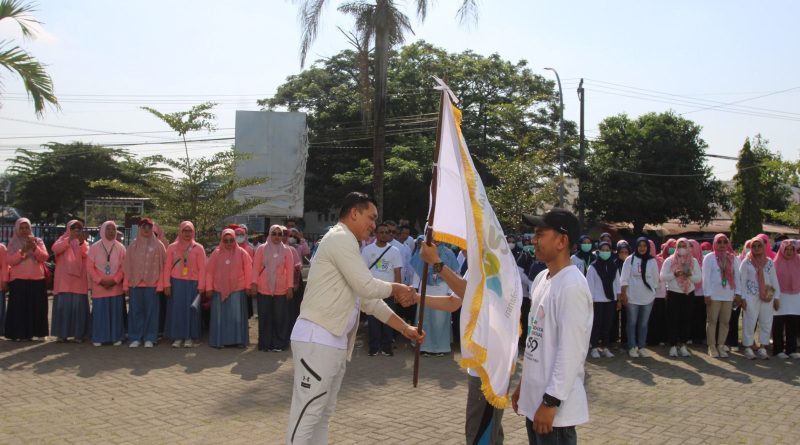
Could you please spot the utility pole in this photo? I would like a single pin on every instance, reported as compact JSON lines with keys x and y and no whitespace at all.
{"x":561,"y":187}
{"x":581,"y":166}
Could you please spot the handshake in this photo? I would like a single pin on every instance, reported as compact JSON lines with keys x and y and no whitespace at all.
{"x":404,"y":295}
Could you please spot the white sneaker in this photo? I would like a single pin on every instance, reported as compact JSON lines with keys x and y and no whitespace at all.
{"x":733,"y":349}
{"x":188,"y":343}
{"x":607,"y":353}
{"x":782,"y":356}
{"x":644,"y":353}
{"x":722,"y":350}
{"x":688,"y":342}
{"x":118,"y":342}
{"x":595,"y":353}
{"x":134,"y":344}
{"x":748,"y":353}
{"x":97,"y":344}
{"x":176,"y":344}
{"x":148,"y":344}
{"x":795,"y":355}
{"x":633,"y":352}
{"x":673,"y":351}
{"x":712,"y":351}
{"x":762,"y":354}
{"x":684,"y":352}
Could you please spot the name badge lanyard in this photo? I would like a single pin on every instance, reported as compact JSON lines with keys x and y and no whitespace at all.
{"x":108,"y":257}
{"x":185,"y":270}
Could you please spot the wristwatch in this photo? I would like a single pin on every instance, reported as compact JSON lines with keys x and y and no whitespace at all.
{"x":550,"y":401}
{"x":437,"y":268}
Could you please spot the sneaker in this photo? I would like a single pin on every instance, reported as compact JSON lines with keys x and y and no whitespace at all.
{"x":795,"y":355}
{"x":633,"y":352}
{"x":148,"y":344}
{"x":387,"y":354}
{"x":644,"y":353}
{"x":97,"y":344}
{"x":762,"y":354}
{"x":688,"y":342}
{"x":748,"y":353}
{"x":733,"y":349}
{"x":595,"y":353}
{"x":684,"y":352}
{"x":370,"y":353}
{"x":276,"y":350}
{"x":673,"y":351}
{"x":188,"y":343}
{"x":782,"y":355}
{"x":723,"y":348}
{"x":118,"y":342}
{"x":712,"y":351}
{"x":176,"y":344}
{"x":135,"y":344}
{"x":722,"y":351}
{"x":607,"y":353}
{"x":440,"y":354}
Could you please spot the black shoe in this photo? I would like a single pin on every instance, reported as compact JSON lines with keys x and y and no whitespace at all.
{"x":372,"y":353}
{"x":387,"y":354}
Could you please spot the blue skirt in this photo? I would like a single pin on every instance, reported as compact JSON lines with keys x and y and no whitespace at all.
{"x":437,"y":331}
{"x":183,"y":319}
{"x":229,"y":320}
{"x":70,"y":317}
{"x":107,"y":319}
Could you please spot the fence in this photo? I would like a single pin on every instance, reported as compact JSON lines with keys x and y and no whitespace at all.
{"x":50,"y":233}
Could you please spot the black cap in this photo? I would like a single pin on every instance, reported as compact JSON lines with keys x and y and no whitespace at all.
{"x":560,"y":220}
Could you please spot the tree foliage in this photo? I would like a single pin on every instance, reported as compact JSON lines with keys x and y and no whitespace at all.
{"x":53,"y":184}
{"x":200,"y":191}
{"x":748,"y":198}
{"x":507,"y":110}
{"x":199,"y":117}
{"x":650,"y":170}
{"x":776,"y":178}
{"x":38,"y":84}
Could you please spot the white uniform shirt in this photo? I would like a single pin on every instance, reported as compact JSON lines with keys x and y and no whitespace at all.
{"x":596,"y":286}
{"x":384,"y":268}
{"x":560,"y":323}
{"x":672,"y":281}
{"x":750,"y":280}
{"x":631,"y":276}
{"x":712,"y":279}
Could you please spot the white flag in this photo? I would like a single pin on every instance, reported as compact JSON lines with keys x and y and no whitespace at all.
{"x":490,"y":313}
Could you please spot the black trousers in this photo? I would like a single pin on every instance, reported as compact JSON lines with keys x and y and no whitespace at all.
{"x":602,"y":325}
{"x":380,"y":335}
{"x":698,"y":330}
{"x":733,"y":328}
{"x":657,"y":325}
{"x":273,"y":317}
{"x":679,"y":317}
{"x":565,"y":435}
{"x":26,"y":314}
{"x":784,"y":333}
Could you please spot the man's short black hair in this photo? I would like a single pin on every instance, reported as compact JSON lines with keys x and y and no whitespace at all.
{"x":389,"y":222}
{"x":381,"y":224}
{"x":356,"y":200}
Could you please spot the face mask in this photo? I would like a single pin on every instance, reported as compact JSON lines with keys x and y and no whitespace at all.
{"x":240,"y":239}
{"x":519,"y":244}
{"x":671,"y":250}
{"x":586,"y":247}
{"x":682,"y":251}
{"x":528,"y":249}
{"x":511,"y":246}
{"x":706,"y":252}
{"x":292,"y":241}
{"x":604,"y":255}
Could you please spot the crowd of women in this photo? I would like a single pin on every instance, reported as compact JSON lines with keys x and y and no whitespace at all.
{"x":169,"y":287}
{"x":692,"y":292}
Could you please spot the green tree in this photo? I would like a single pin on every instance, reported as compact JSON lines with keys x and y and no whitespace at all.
{"x":776,"y":179}
{"x":54,"y":183}
{"x":507,"y":110}
{"x":37,"y":82}
{"x":383,"y":21}
{"x":748,"y":198}
{"x":650,"y":170}
{"x":200,"y":191}
{"x":199,"y":117}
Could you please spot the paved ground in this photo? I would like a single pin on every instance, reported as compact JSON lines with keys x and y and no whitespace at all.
{"x":70,"y":393}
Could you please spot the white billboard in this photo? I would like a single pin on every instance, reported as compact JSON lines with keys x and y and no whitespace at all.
{"x":277,"y":145}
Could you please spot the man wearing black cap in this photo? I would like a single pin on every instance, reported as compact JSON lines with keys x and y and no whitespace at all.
{"x":551,"y":394}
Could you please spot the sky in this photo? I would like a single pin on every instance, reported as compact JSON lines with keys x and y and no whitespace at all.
{"x":729,"y":65}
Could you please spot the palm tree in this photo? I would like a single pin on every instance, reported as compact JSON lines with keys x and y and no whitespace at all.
{"x":383,"y":21}
{"x":38,"y":83}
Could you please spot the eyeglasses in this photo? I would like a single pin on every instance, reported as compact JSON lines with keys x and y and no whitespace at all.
{"x":276,"y":234}
{"x":228,"y":241}
{"x":722,"y":241}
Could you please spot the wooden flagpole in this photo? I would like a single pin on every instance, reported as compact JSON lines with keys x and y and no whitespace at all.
{"x":429,"y":231}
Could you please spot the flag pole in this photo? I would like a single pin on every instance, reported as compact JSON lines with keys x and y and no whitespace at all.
{"x":429,"y":232}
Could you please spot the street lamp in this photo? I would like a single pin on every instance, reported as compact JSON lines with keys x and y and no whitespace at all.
{"x":560,"y":140}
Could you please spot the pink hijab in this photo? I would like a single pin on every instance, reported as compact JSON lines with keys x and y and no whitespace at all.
{"x":108,"y":251}
{"x":767,"y":245}
{"x":788,"y":270}
{"x":725,"y":258}
{"x":144,"y":259}
{"x":745,"y":250}
{"x":184,"y":245}
{"x":665,"y":247}
{"x":683,"y":263}
{"x":759,"y":262}
{"x":274,"y":253}
{"x":697,"y":252}
{"x":17,"y":241}
{"x":71,"y":260}
{"x":653,"y":253}
{"x":223,"y":261}
{"x":159,"y":233}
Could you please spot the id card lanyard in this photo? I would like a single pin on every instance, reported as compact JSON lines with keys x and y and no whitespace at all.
{"x":108,"y":258}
